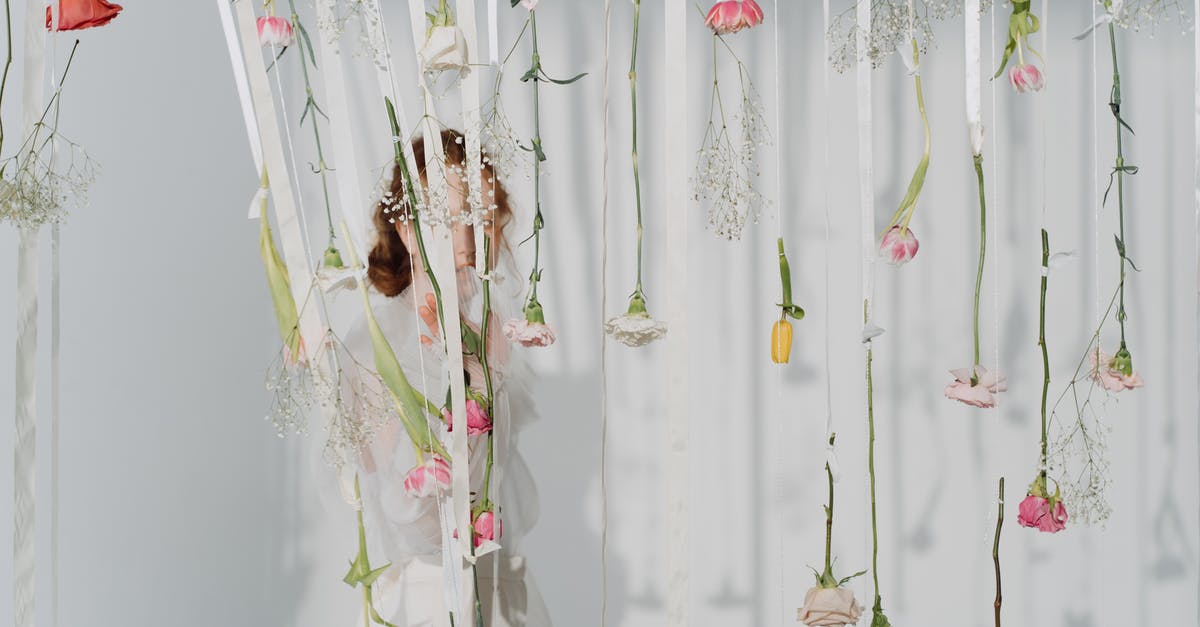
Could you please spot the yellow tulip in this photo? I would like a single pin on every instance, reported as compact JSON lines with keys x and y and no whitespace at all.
{"x":781,"y":341}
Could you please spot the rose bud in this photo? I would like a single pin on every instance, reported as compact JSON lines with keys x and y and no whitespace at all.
{"x":898,"y":245}
{"x":1026,"y":78}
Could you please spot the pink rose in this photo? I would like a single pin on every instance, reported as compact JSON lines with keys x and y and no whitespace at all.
{"x":275,"y":31}
{"x":898,"y":245}
{"x":488,"y":527}
{"x":1026,"y":78}
{"x":1036,"y":512}
{"x":81,"y":14}
{"x":428,"y":479}
{"x":982,"y":394}
{"x":824,"y":607}
{"x":1113,"y":380}
{"x":477,"y":420}
{"x":731,"y":16}
{"x":526,"y":333}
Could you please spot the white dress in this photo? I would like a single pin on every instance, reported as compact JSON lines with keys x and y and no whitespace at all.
{"x":407,"y":531}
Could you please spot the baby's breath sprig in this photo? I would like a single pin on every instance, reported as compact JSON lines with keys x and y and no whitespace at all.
{"x":893,"y":25}
{"x":726,"y":169}
{"x":47,"y":172}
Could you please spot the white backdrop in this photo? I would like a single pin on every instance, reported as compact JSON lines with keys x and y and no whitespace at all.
{"x":180,"y":505}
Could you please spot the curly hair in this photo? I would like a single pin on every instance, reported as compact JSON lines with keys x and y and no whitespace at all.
{"x":390,"y":262}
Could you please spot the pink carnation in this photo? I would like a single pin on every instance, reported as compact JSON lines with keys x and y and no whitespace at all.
{"x":1113,"y":380}
{"x":731,"y":16}
{"x":982,"y":394}
{"x":526,"y":333}
{"x":1036,"y":512}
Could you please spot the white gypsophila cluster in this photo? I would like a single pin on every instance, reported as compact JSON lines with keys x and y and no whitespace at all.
{"x":727,"y":170}
{"x":1078,"y":454}
{"x":501,"y":147}
{"x":337,"y":18}
{"x":292,"y":395}
{"x":1148,"y":15}
{"x":353,"y":425}
{"x":893,"y":26}
{"x":46,"y":177}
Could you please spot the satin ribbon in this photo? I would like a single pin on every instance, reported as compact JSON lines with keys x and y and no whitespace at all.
{"x":243,"y":89}
{"x":354,"y":208}
{"x":291,"y":240}
{"x":25,"y":453}
{"x":493,"y":32}
{"x":675,"y":182}
{"x":443,"y":268}
{"x":866,"y":167}
{"x":471,"y":123}
{"x":972,"y":55}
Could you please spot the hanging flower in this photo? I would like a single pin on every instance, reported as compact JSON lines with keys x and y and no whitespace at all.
{"x":1026,"y":78}
{"x":829,"y":606}
{"x":445,"y":45}
{"x":781,"y":341}
{"x":899,"y":245}
{"x":1041,"y":511}
{"x":529,"y":4}
{"x":526,"y":333}
{"x":428,"y":478}
{"x":731,"y":16}
{"x":81,"y":14}
{"x":488,"y":528}
{"x":477,"y":419}
{"x":781,"y":332}
{"x":1114,"y":373}
{"x":976,"y":387}
{"x":635,"y":327}
{"x":275,"y":31}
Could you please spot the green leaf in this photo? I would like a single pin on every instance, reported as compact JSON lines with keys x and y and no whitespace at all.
{"x":567,"y":81}
{"x":843,"y":581}
{"x":1120,"y":246}
{"x":286,"y":314}
{"x":307,"y":43}
{"x":530,"y":75}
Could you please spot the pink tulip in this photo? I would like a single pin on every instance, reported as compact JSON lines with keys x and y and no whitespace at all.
{"x":1113,"y":380}
{"x":428,"y":479}
{"x":488,"y":527}
{"x":731,"y":16}
{"x":898,"y":245}
{"x":1026,"y":78}
{"x":526,"y":333}
{"x":982,"y":393}
{"x":275,"y":31}
{"x":477,"y":420}
{"x":1036,"y":512}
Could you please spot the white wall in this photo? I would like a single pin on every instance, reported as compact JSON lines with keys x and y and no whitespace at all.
{"x":179,"y":503}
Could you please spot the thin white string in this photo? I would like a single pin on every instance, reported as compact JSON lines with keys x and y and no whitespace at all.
{"x":779,"y":406}
{"x":996,"y":213}
{"x":825,"y":202}
{"x":1096,"y":202}
{"x":603,"y":336}
{"x":302,"y":215}
{"x":1196,"y":177}
{"x":55,"y":348}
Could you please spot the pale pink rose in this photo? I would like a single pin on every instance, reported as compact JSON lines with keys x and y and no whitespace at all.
{"x":825,"y":607}
{"x":526,"y":333}
{"x":1113,"y":380}
{"x":1035,"y":512}
{"x":731,"y":16}
{"x":1026,"y":78}
{"x":428,"y":479}
{"x":982,"y":394}
{"x":899,"y":245}
{"x":275,"y":31}
{"x":477,"y":420}
{"x":529,"y":4}
{"x":488,"y":527}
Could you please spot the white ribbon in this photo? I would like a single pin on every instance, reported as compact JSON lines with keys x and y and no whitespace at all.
{"x":243,"y":89}
{"x":25,"y":453}
{"x":675,"y":182}
{"x":443,"y":268}
{"x":493,"y":33}
{"x":866,"y":168}
{"x":350,"y":194}
{"x":973,"y":78}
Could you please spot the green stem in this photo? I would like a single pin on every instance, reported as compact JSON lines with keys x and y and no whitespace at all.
{"x":637,"y":178}
{"x":485,"y":499}
{"x":871,"y":464}
{"x":1115,"y":105}
{"x":982,"y":255}
{"x":7,"y":61}
{"x":1042,"y":344}
{"x":908,"y":205}
{"x":310,"y":105}
{"x":410,"y":189}
{"x":996,"y":552}
{"x":829,"y":519}
{"x":538,"y":221}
